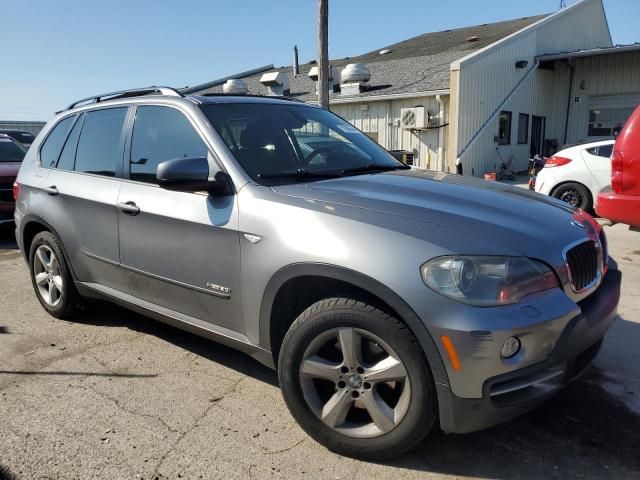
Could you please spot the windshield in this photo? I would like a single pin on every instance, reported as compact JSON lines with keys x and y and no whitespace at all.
{"x":288,"y":143}
{"x":10,"y":151}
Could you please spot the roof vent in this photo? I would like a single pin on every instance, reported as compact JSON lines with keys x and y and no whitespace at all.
{"x":472,"y":39}
{"x":277,"y":83}
{"x":334,"y":77}
{"x":384,"y":51}
{"x":355,"y":79}
{"x":235,"y":86}
{"x":356,"y":72}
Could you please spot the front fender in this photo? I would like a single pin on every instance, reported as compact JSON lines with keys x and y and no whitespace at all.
{"x":381,"y":291}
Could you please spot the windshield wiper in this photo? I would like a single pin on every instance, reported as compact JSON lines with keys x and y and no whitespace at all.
{"x":300,"y":173}
{"x":374,"y":167}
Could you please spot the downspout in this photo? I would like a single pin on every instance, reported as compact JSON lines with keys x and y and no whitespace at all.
{"x":566,"y":122}
{"x":440,"y":134}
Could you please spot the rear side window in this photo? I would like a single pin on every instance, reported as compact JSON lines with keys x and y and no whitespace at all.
{"x":160,"y":134}
{"x":68,"y":155}
{"x":604,"y":151}
{"x":51,"y":147}
{"x":100,"y":145}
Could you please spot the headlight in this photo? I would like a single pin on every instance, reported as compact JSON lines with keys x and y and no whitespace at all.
{"x":487,"y":281}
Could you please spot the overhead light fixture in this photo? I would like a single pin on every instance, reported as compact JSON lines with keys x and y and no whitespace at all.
{"x":522,"y":64}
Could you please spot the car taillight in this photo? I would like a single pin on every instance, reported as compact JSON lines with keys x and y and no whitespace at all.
{"x":556,"y":161}
{"x":16,"y":190}
{"x":617,"y":160}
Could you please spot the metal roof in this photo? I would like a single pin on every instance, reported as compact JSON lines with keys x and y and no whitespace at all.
{"x":635,"y":47}
{"x":418,"y":65}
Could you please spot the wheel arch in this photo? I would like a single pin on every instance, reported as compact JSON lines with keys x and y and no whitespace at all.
{"x":271,"y":323}
{"x":30,"y":226}
{"x":566,"y":182}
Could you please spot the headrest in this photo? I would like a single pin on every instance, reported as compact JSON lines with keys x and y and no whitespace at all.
{"x":258,"y":134}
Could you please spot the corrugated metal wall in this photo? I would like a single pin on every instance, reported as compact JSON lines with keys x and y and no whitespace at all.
{"x":382,"y":118}
{"x":606,"y":79}
{"x":486,"y":79}
{"x":544,"y":94}
{"x":32,"y":127}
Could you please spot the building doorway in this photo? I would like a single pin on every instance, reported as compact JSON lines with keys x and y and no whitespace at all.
{"x":538,"y":126}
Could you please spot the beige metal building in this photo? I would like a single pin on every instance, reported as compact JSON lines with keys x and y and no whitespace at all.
{"x":478,"y":95}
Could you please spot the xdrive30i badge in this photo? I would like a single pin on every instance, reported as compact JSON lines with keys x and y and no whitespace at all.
{"x":219,"y":288}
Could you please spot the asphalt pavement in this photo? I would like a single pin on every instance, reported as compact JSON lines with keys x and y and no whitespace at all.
{"x":115,"y":395}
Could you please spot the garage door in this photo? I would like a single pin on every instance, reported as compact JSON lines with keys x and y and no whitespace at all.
{"x":609,"y":113}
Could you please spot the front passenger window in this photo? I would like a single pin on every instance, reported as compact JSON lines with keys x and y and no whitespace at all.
{"x":160,"y":134}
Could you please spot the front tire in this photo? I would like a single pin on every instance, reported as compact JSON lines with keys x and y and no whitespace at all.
{"x":51,"y":278}
{"x":356,"y":380}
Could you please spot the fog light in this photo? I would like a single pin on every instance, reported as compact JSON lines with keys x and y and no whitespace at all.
{"x":510,"y":347}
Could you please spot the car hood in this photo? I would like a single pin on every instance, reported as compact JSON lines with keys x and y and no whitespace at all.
{"x":523,"y":221}
{"x":9,"y":169}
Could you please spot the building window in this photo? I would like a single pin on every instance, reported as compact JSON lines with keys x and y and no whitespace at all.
{"x":504,"y":128}
{"x":607,"y":122}
{"x":523,"y":128}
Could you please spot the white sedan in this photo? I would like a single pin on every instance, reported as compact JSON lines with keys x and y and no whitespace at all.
{"x":576,"y":174}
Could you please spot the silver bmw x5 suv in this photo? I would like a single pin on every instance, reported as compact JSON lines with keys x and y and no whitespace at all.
{"x":391,"y":300}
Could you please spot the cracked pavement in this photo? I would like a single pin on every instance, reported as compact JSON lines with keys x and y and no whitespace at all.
{"x":117,"y":395}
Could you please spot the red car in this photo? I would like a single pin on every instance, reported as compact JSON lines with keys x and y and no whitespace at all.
{"x":621,"y":202}
{"x":11,"y":155}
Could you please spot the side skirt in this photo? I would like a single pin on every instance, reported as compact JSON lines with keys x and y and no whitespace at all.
{"x":179,"y":320}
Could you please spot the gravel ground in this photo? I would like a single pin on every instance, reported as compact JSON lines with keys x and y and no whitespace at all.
{"x":115,"y":395}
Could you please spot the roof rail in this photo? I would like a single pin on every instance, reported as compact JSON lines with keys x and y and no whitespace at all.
{"x":133,"y":92}
{"x":276,"y":97}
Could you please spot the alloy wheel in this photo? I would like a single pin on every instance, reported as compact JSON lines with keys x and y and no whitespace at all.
{"x":355,"y":382}
{"x":46,"y":271}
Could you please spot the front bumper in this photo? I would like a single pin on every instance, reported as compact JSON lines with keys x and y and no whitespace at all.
{"x":509,"y":395}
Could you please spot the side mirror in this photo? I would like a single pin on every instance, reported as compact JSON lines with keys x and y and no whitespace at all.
{"x":192,"y":175}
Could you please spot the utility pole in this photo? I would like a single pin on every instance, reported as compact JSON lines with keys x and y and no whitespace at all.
{"x":323,"y":53}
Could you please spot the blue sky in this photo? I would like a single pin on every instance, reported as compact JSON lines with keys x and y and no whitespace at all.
{"x":56,"y":51}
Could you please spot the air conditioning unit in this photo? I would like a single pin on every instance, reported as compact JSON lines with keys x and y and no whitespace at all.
{"x":417,"y":118}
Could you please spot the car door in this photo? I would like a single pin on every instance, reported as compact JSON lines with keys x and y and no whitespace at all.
{"x":82,"y":190}
{"x":180,"y":250}
{"x":598,"y":161}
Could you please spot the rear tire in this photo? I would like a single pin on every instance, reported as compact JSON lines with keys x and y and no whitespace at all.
{"x":375,"y":404}
{"x":575,"y":194}
{"x":51,"y":277}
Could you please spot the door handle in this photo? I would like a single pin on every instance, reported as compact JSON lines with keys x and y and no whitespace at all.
{"x":52,"y":190}
{"x":128,"y":208}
